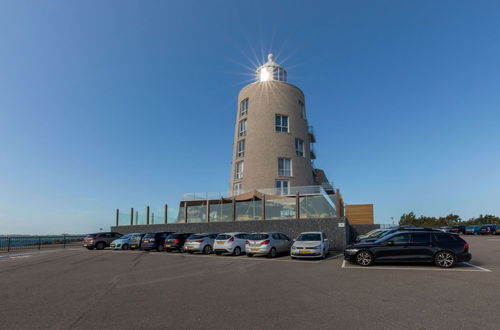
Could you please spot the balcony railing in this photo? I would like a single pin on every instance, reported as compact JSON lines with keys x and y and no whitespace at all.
{"x":312,"y":136}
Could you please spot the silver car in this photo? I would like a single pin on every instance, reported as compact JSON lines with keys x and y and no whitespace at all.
{"x":310,"y":245}
{"x":233,"y":243}
{"x":270,"y":244}
{"x":203,"y":242}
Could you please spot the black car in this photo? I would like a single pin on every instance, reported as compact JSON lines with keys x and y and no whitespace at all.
{"x":176,"y":241}
{"x":458,"y":229}
{"x":154,"y":241}
{"x":388,"y":231}
{"x":443,"y":249}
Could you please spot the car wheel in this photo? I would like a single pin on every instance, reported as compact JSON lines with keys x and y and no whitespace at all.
{"x":100,"y":246}
{"x":168,"y":250}
{"x":364,"y":258}
{"x":90,"y":247}
{"x":207,"y":249}
{"x":272,"y":253}
{"x":249,"y":255}
{"x":237,"y":251}
{"x":444,"y":259}
{"x":125,"y":247}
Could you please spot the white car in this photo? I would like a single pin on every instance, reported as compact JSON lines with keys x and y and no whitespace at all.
{"x":233,"y":243}
{"x":310,"y":245}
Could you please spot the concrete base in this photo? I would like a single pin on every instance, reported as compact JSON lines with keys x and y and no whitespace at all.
{"x":336,"y":229}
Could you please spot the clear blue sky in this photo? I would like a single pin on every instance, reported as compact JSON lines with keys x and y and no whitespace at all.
{"x":114,"y":104}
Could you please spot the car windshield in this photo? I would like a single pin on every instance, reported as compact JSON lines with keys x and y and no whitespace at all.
{"x":258,"y":237}
{"x":127,"y":236}
{"x":309,"y":237}
{"x":381,"y":234}
{"x":223,"y":237}
{"x":90,"y":236}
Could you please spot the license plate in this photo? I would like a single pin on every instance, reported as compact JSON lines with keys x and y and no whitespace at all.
{"x":112,"y":245}
{"x":304,"y":252}
{"x":189,"y":247}
{"x":254,"y":249}
{"x":221,"y":243}
{"x":146,"y":241}
{"x":84,"y":244}
{"x":168,"y":245}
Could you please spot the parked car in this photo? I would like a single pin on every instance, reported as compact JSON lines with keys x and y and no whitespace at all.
{"x":176,"y":241}
{"x":154,"y":241}
{"x":136,"y":242}
{"x":488,"y":230}
{"x":472,"y":230}
{"x":233,"y":243}
{"x":310,"y":245}
{"x":270,"y":244}
{"x":100,"y":240}
{"x":200,"y":243}
{"x":392,"y":230}
{"x":444,"y":249}
{"x":445,"y":229}
{"x":123,"y":243}
{"x":458,"y":229}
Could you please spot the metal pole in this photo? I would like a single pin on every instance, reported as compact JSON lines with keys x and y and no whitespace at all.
{"x":147,"y":215}
{"x":185,"y":212}
{"x":132,"y":216}
{"x":234,"y":209}
{"x":64,"y":241}
{"x":8,"y":245}
{"x":117,"y":217}
{"x":39,"y":242}
{"x":263,"y":210}
{"x":166,"y":213}
{"x":208,"y":210}
{"x":297,"y":205}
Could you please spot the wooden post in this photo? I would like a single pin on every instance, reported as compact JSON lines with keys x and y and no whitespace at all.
{"x":185,"y":212}
{"x":147,"y":215}
{"x":297,"y":205}
{"x":132,"y":216}
{"x":208,"y":210}
{"x":234,"y":209}
{"x":117,"y":217}
{"x":263,"y":210}
{"x":166,"y":213}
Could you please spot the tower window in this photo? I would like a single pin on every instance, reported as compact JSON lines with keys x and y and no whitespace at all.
{"x":281,"y":123}
{"x":242,"y":128}
{"x":284,"y":167}
{"x":302,"y":109}
{"x":241,"y":148}
{"x":237,"y":188}
{"x":299,"y":147}
{"x":244,"y":107}
{"x":283,"y":187}
{"x":238,"y":170}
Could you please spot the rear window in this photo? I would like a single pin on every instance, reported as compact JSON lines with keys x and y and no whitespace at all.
{"x":196,"y":236}
{"x":258,"y":237}
{"x":174,"y":236}
{"x":223,"y":237}
{"x":443,"y":238}
{"x":151,"y":235}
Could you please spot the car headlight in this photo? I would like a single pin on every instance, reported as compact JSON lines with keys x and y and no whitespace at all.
{"x":351,"y":250}
{"x":293,"y":247}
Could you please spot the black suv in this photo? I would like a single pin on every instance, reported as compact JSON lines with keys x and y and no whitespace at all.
{"x":176,"y":241}
{"x":153,"y":241}
{"x":443,"y":249}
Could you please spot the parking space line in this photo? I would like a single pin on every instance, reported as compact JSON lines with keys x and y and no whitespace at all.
{"x":479,"y":269}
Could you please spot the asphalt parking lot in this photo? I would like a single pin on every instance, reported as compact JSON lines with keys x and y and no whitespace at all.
{"x":81,"y":289}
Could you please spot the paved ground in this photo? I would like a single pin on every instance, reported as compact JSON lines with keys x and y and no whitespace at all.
{"x":80,"y":289}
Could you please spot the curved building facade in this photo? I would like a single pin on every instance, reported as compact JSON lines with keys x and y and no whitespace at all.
{"x":272,"y":138}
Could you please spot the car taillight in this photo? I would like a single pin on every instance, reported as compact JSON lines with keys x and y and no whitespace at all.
{"x":151,"y":239}
{"x":231,"y":239}
{"x":466,"y":246}
{"x":247,"y":242}
{"x":199,"y":241}
{"x":177,"y":241}
{"x":265,"y":242}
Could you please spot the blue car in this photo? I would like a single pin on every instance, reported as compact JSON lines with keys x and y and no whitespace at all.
{"x":126,"y":242}
{"x":472,"y":230}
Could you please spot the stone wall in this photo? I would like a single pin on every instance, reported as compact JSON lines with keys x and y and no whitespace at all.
{"x":338,"y":236}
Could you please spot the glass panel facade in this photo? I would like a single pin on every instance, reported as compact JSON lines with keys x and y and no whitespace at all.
{"x":317,"y":207}
{"x":283,"y":208}
{"x":197,"y":213}
{"x":249,"y":210}
{"x":180,"y":214}
{"x":281,"y":123}
{"x":221,"y":211}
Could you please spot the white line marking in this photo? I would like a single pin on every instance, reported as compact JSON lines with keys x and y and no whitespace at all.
{"x":472,"y":265}
{"x":343,"y":264}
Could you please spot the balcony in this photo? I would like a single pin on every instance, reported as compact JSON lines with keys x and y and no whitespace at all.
{"x":312,"y":136}
{"x":313,"y":152}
